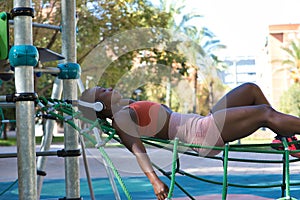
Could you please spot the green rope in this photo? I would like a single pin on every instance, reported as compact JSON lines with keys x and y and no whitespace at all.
{"x":116,"y":173}
{"x":235,"y":185}
{"x":154,"y":141}
{"x":176,"y":183}
{"x":67,"y":109}
{"x":250,"y":148}
{"x":175,"y":157}
{"x":60,"y":106}
{"x":107,"y":159}
{"x":225,"y":169}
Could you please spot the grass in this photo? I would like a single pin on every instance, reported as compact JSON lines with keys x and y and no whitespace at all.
{"x":60,"y":140}
{"x":8,"y":142}
{"x":13,"y":141}
{"x":253,"y":141}
{"x":55,"y":140}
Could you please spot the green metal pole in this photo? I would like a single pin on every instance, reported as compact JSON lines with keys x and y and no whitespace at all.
{"x":287,"y":169}
{"x":225,"y":166}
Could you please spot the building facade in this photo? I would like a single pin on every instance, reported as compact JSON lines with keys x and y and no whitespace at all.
{"x":280,"y":79}
{"x":266,"y":68}
{"x":240,"y":69}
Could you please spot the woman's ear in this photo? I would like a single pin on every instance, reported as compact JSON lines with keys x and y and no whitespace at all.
{"x":98,"y":106}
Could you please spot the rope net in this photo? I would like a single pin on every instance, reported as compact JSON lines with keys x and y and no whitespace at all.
{"x":62,"y":110}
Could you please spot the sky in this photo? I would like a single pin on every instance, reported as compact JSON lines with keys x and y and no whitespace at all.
{"x":242,"y":25}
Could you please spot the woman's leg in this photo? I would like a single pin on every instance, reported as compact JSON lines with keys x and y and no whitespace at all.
{"x":238,"y":122}
{"x":244,"y":95}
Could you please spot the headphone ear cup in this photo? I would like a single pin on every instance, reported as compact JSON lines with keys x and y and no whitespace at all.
{"x":98,"y":106}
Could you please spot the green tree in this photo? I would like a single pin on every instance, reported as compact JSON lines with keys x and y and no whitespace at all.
{"x":94,"y":28}
{"x":156,"y":39}
{"x":117,"y":19}
{"x":101,"y":49}
{"x":201,"y":53}
{"x":181,"y":36}
{"x":290,"y":100}
{"x":49,"y":12}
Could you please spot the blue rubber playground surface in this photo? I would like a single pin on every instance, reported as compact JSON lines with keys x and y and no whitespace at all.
{"x":141,"y":189}
{"x":139,"y":186}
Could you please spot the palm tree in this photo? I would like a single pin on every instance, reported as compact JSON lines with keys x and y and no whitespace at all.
{"x":202,"y":52}
{"x":289,"y":101}
{"x":293,"y":62}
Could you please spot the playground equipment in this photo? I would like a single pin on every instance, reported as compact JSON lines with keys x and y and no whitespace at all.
{"x":251,"y":148}
{"x":24,"y":57}
{"x":4,"y":44}
{"x":4,"y":121}
{"x":64,"y":111}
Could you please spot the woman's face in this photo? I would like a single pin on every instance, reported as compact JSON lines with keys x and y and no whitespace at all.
{"x":108,"y":96}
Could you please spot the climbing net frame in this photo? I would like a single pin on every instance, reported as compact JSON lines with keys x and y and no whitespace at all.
{"x":63,"y":110}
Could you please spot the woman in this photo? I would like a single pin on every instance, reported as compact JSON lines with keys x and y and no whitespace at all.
{"x":238,"y":114}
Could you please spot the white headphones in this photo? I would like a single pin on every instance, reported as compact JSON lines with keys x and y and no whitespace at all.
{"x":97,"y":106}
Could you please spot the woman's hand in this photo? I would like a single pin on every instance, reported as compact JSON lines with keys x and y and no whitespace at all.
{"x":161,"y":190}
{"x":124,"y":125}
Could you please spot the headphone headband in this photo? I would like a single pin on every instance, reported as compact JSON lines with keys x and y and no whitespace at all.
{"x":97,"y":106}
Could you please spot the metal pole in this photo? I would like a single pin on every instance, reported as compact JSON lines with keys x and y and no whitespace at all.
{"x":86,"y":167}
{"x":71,"y":143}
{"x":47,"y":138}
{"x":25,"y":110}
{"x":70,"y":92}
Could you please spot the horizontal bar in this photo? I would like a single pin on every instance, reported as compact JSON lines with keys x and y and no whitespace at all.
{"x":41,"y":153}
{"x":39,"y":25}
{"x":6,"y":104}
{"x":50,"y":70}
{"x":8,"y":121}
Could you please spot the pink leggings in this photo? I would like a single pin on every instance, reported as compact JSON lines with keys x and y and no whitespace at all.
{"x":196,"y":129}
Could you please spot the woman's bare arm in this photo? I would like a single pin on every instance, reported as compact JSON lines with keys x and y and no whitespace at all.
{"x":127,"y":131}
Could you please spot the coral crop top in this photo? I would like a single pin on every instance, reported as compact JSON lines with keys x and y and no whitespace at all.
{"x":147,"y":115}
{"x":145,"y":110}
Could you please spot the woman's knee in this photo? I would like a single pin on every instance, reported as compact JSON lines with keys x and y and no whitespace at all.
{"x":251,"y":86}
{"x":255,"y":93}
